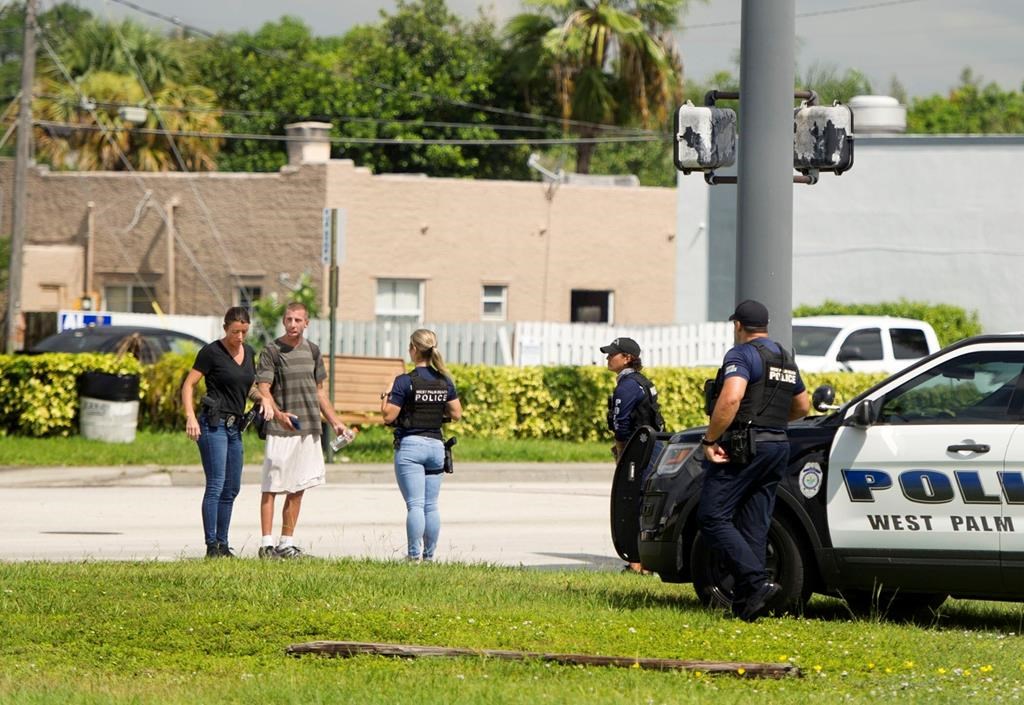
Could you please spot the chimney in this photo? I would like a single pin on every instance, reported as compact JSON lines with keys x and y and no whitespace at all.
{"x":309,"y":144}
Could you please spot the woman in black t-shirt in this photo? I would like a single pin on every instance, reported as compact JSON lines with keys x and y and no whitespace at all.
{"x":229,"y":368}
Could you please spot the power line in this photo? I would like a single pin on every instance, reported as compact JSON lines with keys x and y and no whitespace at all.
{"x":340,"y":118}
{"x":803,"y":15}
{"x":383,"y":86}
{"x":658,"y":137}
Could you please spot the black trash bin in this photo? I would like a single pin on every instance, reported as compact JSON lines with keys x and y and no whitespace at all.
{"x":108,"y":406}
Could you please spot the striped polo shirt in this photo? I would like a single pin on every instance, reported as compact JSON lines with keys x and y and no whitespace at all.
{"x":293,"y":373}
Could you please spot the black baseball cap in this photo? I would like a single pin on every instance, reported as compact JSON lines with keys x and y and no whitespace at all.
{"x":623,"y":345}
{"x":751,"y":314}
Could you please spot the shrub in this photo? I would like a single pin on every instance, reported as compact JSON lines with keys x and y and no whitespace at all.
{"x":951,"y":323}
{"x":39,"y":393}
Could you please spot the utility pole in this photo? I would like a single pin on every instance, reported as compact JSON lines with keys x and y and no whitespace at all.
{"x":28,"y":70}
{"x":764,"y":241}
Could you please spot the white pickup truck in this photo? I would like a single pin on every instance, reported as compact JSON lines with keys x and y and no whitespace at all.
{"x":860,"y":343}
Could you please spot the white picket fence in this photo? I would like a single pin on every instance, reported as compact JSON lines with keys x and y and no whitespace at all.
{"x":470,"y":343}
{"x":523,"y":343}
{"x":661,"y":346}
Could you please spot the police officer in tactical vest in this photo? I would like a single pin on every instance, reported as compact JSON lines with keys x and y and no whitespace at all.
{"x":633,"y":404}
{"x":756,"y":393}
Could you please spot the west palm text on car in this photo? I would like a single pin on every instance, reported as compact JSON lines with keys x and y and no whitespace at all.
{"x":911,"y":492}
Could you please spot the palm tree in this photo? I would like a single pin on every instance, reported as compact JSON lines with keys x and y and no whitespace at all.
{"x":96,"y":136}
{"x":611,"y":61}
{"x":112,"y":66}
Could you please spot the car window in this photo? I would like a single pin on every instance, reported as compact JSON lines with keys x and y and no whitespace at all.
{"x":908,"y":343}
{"x":813,"y":340}
{"x":863,"y":344}
{"x":177,"y":344}
{"x":975,"y":388}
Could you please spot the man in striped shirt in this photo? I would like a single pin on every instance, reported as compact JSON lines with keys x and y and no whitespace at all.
{"x":290,"y":379}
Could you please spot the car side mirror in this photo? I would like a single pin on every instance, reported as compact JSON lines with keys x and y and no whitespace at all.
{"x":847,"y":354}
{"x":864,"y":414}
{"x":823,"y":398}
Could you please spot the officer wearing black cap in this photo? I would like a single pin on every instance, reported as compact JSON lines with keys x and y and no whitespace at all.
{"x":633,"y":404}
{"x":756,"y":393}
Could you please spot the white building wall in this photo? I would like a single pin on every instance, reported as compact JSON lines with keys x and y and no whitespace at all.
{"x":938,"y":219}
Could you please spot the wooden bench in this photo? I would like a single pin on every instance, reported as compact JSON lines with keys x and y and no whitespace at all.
{"x":358,"y":383}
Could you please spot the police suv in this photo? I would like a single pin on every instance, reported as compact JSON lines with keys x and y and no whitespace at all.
{"x":910,"y":493}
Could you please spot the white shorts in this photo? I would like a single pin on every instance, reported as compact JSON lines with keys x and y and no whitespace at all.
{"x":292,"y":464}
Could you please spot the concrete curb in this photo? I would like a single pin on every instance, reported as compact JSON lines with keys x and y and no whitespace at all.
{"x":337,"y":473}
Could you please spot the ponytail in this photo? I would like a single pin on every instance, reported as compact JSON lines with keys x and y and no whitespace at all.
{"x":425,"y":343}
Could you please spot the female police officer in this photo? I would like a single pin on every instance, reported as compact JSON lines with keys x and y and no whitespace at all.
{"x":416,"y":405}
{"x":633,"y":404}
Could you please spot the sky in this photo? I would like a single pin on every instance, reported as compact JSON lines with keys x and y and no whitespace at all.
{"x":925,"y":43}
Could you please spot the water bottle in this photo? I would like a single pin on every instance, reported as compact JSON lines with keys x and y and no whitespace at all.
{"x":343,"y":439}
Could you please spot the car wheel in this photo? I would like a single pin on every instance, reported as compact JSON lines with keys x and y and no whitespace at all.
{"x":893,"y":605}
{"x":784,"y":560}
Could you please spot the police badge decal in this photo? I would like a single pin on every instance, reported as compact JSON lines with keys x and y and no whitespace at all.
{"x":810,"y":480}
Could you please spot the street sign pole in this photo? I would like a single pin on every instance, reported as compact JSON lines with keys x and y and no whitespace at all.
{"x":332,"y":304}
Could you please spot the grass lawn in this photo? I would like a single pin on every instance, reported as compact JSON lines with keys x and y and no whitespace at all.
{"x":372,"y":446}
{"x":215,"y":632}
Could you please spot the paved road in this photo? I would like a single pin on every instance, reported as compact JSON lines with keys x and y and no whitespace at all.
{"x":537,"y":515}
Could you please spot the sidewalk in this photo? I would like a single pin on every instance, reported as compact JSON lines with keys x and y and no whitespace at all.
{"x":337,"y":474}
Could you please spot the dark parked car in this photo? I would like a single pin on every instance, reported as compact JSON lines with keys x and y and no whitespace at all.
{"x":147,"y":344}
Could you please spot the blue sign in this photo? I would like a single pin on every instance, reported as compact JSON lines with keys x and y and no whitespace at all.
{"x":82,"y":320}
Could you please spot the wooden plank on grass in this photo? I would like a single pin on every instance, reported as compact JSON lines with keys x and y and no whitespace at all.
{"x":355,"y":648}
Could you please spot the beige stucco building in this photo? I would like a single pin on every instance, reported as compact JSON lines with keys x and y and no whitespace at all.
{"x":431,"y":248}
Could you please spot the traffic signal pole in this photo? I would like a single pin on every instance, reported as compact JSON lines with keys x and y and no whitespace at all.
{"x":764,"y":238}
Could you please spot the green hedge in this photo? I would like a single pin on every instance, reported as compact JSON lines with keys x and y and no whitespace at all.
{"x":951,"y":323}
{"x":568,"y":403}
{"x":39,"y":393}
{"x":565,"y":403}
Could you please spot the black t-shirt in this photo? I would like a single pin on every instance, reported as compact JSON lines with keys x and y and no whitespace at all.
{"x":226,"y":380}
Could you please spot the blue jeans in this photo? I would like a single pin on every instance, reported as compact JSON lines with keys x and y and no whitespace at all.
{"x":220,"y":449}
{"x":416,"y":459}
{"x":735,"y":511}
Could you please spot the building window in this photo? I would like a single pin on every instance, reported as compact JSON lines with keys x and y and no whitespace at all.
{"x":129,"y":297}
{"x":399,"y":300}
{"x":246,"y":295}
{"x":591,"y":306}
{"x":494,"y":302}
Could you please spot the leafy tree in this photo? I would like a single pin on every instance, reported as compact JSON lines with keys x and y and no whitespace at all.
{"x":444,"y":69}
{"x":393,"y":80}
{"x":970,"y":108}
{"x":609,"y":61}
